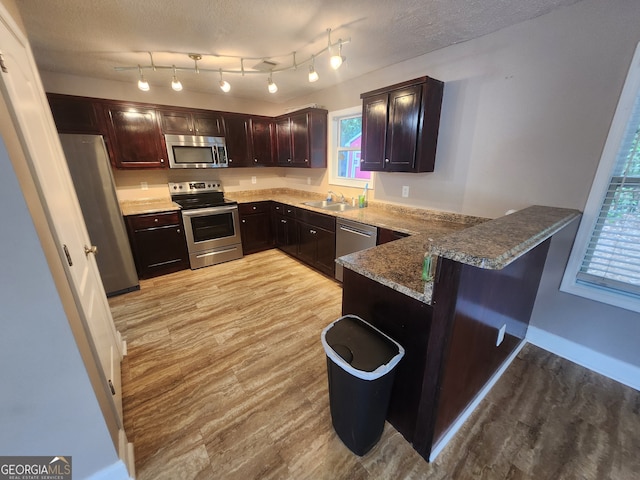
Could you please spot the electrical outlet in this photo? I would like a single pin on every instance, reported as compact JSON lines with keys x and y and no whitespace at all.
{"x":501,"y":333}
{"x":144,"y":186}
{"x":254,"y":180}
{"x":405,"y":191}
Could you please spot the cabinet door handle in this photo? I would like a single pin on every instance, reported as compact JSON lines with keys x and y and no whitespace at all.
{"x":313,"y":231}
{"x":162,"y":160}
{"x":386,"y":160}
{"x":112,"y":388}
{"x":283,"y":221}
{"x":244,"y":221}
{"x":92,"y":249}
{"x":255,"y":160}
{"x":178,"y":231}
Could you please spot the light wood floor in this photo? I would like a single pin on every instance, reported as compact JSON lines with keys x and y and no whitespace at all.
{"x":226,"y":379}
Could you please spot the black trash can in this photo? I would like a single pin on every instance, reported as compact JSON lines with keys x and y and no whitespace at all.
{"x":361,"y":364}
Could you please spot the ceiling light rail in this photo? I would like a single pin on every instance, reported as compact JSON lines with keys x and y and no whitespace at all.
{"x":336,"y":59}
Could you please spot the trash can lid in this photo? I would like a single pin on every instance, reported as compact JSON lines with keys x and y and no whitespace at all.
{"x":361,"y":346}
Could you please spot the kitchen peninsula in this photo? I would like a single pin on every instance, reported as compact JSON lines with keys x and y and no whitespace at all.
{"x":463,"y":327}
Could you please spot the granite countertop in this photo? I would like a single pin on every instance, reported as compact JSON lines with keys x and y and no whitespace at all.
{"x":480,"y":242}
{"x":495,"y":244}
{"x":153,"y":205}
{"x":492,"y":244}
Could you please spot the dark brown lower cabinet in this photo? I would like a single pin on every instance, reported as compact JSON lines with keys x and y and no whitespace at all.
{"x":317,"y":240}
{"x":158,"y":243}
{"x":451,"y":347}
{"x":255,"y":226}
{"x":285,"y":233}
{"x":317,"y":247}
{"x":306,"y":235}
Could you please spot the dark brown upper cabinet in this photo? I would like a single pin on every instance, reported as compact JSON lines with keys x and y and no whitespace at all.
{"x":190,"y":122}
{"x":262,"y":141}
{"x":134,"y":132}
{"x":400,"y":126}
{"x":301,"y":139}
{"x":135,"y":136}
{"x":237,"y":139}
{"x":76,"y":114}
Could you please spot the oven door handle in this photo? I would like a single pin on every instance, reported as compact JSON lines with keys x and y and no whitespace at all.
{"x":199,"y":212}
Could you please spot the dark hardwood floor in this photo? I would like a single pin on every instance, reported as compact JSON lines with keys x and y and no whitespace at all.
{"x":225,"y":378}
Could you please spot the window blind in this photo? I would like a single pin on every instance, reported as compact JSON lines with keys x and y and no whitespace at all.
{"x":612,"y":258}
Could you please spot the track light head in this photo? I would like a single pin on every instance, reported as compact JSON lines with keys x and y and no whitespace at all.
{"x":273,"y":88}
{"x":337,"y":59}
{"x":142,"y":83}
{"x":224,"y":85}
{"x":313,"y":75}
{"x":175,"y":83}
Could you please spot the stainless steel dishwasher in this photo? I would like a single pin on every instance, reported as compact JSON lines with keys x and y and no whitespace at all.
{"x":352,"y":237}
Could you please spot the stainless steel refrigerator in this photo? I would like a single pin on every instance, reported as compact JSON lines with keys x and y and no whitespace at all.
{"x":90,"y":169}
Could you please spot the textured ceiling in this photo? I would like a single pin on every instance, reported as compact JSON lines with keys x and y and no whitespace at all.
{"x":91,"y":37}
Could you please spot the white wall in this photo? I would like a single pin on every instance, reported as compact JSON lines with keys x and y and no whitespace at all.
{"x":47,"y":405}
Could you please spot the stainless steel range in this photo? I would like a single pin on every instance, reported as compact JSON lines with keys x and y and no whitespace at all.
{"x":211,"y":223}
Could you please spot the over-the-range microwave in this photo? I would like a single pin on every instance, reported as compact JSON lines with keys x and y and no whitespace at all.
{"x":194,"y":151}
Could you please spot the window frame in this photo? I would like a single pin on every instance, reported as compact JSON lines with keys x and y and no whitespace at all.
{"x":595,"y":201}
{"x":334,"y":179}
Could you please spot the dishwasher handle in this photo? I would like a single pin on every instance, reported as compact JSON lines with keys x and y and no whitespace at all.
{"x":357,"y":232}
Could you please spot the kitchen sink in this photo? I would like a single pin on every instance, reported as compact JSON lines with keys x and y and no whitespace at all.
{"x":340,"y":207}
{"x":334,"y":207}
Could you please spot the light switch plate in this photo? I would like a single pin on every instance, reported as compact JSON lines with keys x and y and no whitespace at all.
{"x":144,"y":186}
{"x":405,"y":191}
{"x":254,"y":180}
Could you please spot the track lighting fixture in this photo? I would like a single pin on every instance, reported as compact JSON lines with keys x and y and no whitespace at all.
{"x":224,"y":85}
{"x":175,"y":83}
{"x":142,"y":83}
{"x":313,"y":75}
{"x":273,"y":88}
{"x":267,"y":65}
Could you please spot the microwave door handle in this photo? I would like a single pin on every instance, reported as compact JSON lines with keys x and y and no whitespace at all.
{"x":216,"y":157}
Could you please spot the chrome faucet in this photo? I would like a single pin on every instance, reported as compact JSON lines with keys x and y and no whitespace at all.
{"x":330,"y":193}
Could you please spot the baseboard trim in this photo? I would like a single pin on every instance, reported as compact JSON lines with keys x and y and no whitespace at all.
{"x":603,"y":364}
{"x":435,"y":451}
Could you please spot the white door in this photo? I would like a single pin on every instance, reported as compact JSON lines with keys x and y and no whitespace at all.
{"x":23,"y":92}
